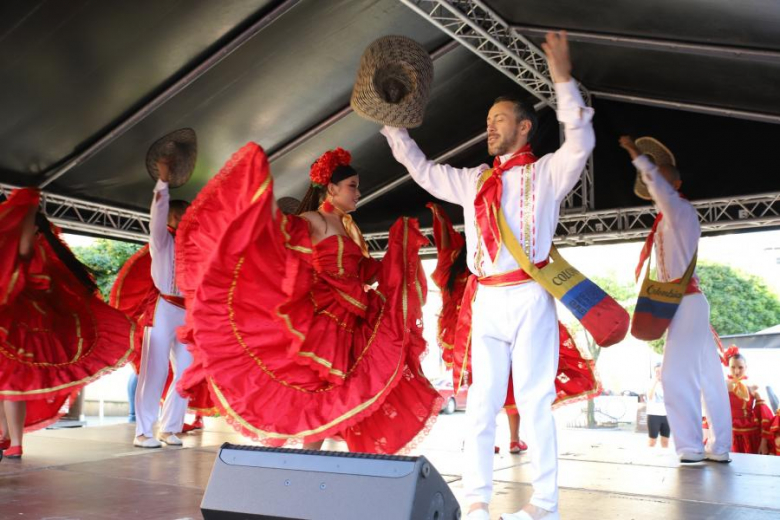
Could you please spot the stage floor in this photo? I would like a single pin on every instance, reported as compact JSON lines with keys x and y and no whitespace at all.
{"x":95,"y":473}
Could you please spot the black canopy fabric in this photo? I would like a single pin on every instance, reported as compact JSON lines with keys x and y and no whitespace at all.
{"x":71,"y":72}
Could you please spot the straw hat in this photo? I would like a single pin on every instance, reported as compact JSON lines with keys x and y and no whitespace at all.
{"x":660,"y":155}
{"x":393,"y":82}
{"x":180,"y":147}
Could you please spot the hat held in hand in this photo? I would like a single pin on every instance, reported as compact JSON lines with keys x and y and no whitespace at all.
{"x":393,"y":82}
{"x":660,"y":155}
{"x":180,"y":149}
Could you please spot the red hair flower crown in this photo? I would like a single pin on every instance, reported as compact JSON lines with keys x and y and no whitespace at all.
{"x":323,"y":168}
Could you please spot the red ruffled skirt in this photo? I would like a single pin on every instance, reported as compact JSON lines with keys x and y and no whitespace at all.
{"x":292,"y":346}
{"x":54,"y":336}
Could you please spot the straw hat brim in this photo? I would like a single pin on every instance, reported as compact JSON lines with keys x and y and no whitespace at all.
{"x":180,"y":147}
{"x":393,"y":82}
{"x":660,"y":155}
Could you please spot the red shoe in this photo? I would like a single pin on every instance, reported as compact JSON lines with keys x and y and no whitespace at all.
{"x":197,"y":424}
{"x":517,"y":447}
{"x":14,"y":452}
{"x":5,"y":444}
{"x":496,"y":449}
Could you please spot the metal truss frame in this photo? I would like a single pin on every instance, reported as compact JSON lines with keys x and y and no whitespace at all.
{"x":748,"y":212}
{"x":745,"y":212}
{"x":478,"y":28}
{"x":91,"y":218}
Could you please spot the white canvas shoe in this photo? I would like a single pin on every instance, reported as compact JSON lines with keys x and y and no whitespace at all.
{"x":170,"y":439}
{"x":146,"y":442}
{"x":718,"y":457}
{"x":691,"y":458}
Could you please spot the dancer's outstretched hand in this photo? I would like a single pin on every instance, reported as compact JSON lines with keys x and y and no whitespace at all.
{"x":164,"y":169}
{"x":556,"y":47}
{"x":627,"y":143}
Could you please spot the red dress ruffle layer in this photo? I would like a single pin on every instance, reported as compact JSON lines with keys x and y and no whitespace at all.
{"x":291,"y":344}
{"x":135,"y":294}
{"x":45,"y":412}
{"x":55,"y":336}
{"x":751,"y":421}
{"x":576,"y":379}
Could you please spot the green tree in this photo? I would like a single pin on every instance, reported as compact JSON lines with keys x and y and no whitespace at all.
{"x":740,"y":303}
{"x":105,"y":257}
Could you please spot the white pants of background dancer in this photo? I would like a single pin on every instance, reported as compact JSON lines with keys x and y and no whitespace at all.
{"x":160,"y":345}
{"x":692,"y":371}
{"x":513,"y":328}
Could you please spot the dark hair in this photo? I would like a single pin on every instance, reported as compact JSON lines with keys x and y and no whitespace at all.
{"x":314,"y":195}
{"x":178,"y":206}
{"x":79,"y":270}
{"x":456,"y":270}
{"x":523,"y":111}
{"x":738,"y":357}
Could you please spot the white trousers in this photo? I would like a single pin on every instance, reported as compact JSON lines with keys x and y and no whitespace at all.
{"x":513,"y":328}
{"x":160,"y":345}
{"x":692,"y":371}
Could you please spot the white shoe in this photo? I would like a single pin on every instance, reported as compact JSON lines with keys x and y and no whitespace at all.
{"x":718,"y":457}
{"x":147,"y":442}
{"x":522,"y":515}
{"x":478,"y":514}
{"x":691,"y":458}
{"x":170,"y":439}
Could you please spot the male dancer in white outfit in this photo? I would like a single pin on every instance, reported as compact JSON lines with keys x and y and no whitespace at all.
{"x":515,"y":327}
{"x":691,"y":366}
{"x":160,"y":341}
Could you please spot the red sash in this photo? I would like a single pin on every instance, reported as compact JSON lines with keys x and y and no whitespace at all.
{"x":515,"y":277}
{"x":178,"y":301}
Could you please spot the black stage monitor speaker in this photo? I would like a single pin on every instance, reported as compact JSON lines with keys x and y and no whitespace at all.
{"x":280,"y":484}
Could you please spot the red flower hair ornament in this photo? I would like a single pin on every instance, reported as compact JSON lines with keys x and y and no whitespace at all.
{"x":323,"y":168}
{"x":729,"y":353}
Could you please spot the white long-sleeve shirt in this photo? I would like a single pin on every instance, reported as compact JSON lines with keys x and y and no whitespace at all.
{"x":531,"y":196}
{"x":161,"y":243}
{"x":677,"y":236}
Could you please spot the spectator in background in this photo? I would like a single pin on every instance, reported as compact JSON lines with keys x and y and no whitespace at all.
{"x":657,"y":423}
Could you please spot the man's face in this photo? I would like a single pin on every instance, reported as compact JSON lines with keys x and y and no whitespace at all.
{"x":505,"y":133}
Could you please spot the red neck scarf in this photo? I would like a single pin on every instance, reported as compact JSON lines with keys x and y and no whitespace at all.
{"x":648,"y":247}
{"x":488,"y":201}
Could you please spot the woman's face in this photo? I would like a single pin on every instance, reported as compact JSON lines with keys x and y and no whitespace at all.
{"x":345,"y":194}
{"x":737,"y":367}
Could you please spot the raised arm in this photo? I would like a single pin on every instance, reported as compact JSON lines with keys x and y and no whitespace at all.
{"x":27,"y":237}
{"x":568,"y":162}
{"x":160,"y":240}
{"x":456,"y":185}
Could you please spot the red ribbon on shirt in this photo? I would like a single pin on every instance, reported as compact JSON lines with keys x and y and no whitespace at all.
{"x":488,"y":201}
{"x":648,"y":247}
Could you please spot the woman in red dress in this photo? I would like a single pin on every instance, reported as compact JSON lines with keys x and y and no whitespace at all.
{"x":751,"y":418}
{"x":576,"y":378}
{"x":56,"y":335}
{"x":282,"y":324}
